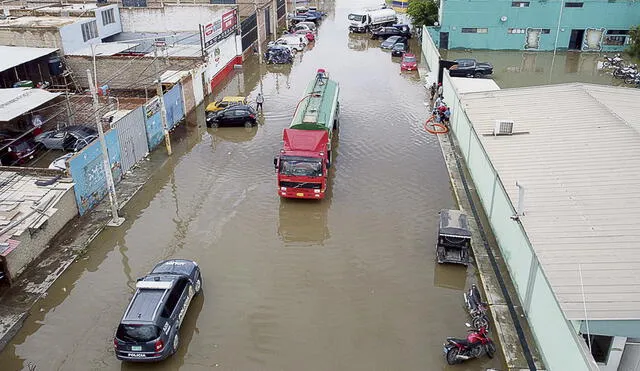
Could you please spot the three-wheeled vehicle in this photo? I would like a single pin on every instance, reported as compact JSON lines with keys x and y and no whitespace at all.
{"x":454,"y":237}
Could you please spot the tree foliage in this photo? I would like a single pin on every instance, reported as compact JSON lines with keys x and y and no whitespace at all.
{"x":423,"y":12}
{"x":634,"y":48}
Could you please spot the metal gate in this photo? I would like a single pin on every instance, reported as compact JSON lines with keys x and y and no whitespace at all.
{"x":267,"y":21}
{"x":133,"y":138}
{"x":281,"y":9}
{"x":249,"y":29}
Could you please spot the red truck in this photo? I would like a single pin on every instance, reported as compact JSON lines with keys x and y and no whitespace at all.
{"x":302,"y":166}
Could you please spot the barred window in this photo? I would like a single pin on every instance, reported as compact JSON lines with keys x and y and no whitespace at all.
{"x":89,"y":30}
{"x":475,"y":30}
{"x":108,"y":17}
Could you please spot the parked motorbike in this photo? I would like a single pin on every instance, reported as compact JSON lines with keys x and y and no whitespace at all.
{"x":476,"y":307}
{"x":616,"y":60}
{"x":475,"y":345}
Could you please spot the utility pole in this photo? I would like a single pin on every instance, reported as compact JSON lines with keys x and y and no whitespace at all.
{"x":255,"y":7}
{"x":116,"y":220}
{"x":163,"y":110}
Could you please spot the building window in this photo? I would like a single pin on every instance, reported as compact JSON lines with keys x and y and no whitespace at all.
{"x":520,"y":4}
{"x":107,"y":17}
{"x":573,"y":5}
{"x":89,"y":30}
{"x":546,"y":31}
{"x":515,"y":30}
{"x":615,"y":37}
{"x":475,"y":30}
{"x":600,"y":346}
{"x":223,"y":2}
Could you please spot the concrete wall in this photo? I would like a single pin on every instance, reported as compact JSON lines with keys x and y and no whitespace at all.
{"x":87,"y":170}
{"x":72,"y":36}
{"x":33,"y":243}
{"x":543,"y":14}
{"x":126,"y":72}
{"x":41,"y":37}
{"x":220,"y":56}
{"x":175,"y":18}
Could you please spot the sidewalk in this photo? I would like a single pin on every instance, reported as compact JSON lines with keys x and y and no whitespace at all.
{"x":71,"y":242}
{"x":503,"y":326}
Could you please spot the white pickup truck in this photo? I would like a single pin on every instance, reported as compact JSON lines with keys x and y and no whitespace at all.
{"x":366,"y":20}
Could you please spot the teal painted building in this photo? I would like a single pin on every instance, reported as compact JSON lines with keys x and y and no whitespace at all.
{"x":591,"y":25}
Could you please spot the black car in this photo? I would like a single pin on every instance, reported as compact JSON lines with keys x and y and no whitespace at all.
{"x":149,"y":329}
{"x":236,"y":115}
{"x":391,"y":41}
{"x":399,"y":49}
{"x":385,"y":32}
{"x":470,"y":68}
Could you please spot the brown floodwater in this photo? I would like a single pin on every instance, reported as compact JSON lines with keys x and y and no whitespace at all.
{"x":347,"y":283}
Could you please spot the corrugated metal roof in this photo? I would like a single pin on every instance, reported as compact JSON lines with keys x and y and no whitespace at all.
{"x":577,"y":153}
{"x":471,"y":85}
{"x":104,"y":49}
{"x":23,"y":204}
{"x":16,"y":55}
{"x":17,"y":101}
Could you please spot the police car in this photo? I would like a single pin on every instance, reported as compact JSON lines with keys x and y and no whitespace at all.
{"x":149,"y":329}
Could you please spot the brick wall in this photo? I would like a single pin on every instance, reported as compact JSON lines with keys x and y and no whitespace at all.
{"x":126,"y":73}
{"x":40,"y":38}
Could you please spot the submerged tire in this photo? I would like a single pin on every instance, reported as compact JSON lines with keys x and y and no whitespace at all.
{"x":452,"y":356}
{"x":176,"y":342}
{"x":248,"y":124}
{"x":490,"y":348}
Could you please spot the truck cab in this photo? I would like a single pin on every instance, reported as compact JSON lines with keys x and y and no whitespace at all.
{"x":303,"y":164}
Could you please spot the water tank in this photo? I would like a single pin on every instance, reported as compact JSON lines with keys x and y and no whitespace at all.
{"x":55,"y":66}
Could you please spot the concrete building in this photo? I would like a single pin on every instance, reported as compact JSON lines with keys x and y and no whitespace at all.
{"x":68,"y":27}
{"x":556,"y":170}
{"x":33,"y":208}
{"x":599,"y":25}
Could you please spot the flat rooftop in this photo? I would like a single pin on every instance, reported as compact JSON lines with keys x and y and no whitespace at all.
{"x":38,"y":22}
{"x":576,"y":150}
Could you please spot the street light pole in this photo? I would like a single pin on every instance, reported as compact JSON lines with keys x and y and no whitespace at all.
{"x":95,"y":67}
{"x":163,"y":110}
{"x":116,"y":220}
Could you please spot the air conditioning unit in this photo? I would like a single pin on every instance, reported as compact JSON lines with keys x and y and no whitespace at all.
{"x":503,"y":127}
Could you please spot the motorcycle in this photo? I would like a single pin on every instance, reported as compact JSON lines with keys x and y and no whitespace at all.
{"x":610,"y":62}
{"x":475,"y":345}
{"x":476,"y":308}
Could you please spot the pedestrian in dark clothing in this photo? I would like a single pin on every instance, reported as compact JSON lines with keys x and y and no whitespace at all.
{"x":259,"y":101}
{"x":432,"y":90}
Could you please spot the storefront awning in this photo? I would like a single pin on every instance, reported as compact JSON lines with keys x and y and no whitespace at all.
{"x":16,"y":55}
{"x":18,"y":101}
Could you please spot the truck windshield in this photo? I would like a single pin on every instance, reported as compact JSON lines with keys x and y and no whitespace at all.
{"x":355,"y":17}
{"x":300,"y":166}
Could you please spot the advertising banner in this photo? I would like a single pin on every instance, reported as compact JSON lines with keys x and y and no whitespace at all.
{"x":220,"y":29}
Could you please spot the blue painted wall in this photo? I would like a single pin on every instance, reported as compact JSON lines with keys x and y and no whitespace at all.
{"x":88,"y":174}
{"x":542,"y":14}
{"x":153,"y":123}
{"x":174,"y":105}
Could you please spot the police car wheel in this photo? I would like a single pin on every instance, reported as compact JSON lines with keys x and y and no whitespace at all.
{"x":198,"y":286}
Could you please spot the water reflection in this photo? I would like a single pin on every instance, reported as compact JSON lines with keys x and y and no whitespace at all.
{"x":516,"y":68}
{"x":234,"y":135}
{"x":303,"y":223}
{"x":450,"y":276}
{"x":359,"y":42}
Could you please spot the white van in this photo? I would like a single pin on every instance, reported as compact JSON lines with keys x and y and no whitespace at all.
{"x":297,"y":42}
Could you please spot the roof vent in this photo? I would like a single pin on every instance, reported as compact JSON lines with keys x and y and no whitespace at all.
{"x":503,"y":127}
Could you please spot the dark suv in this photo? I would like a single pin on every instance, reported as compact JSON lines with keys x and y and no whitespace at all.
{"x":236,"y":115}
{"x":149,"y":329}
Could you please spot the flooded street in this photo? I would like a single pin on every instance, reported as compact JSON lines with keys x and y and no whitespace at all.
{"x":347,"y":283}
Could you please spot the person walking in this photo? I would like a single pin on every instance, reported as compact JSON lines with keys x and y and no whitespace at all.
{"x":259,"y":101}
{"x":432,"y":90}
{"x":440,"y":89}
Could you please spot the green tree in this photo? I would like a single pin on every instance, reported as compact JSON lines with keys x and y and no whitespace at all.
{"x":423,"y":12}
{"x":634,"y":48}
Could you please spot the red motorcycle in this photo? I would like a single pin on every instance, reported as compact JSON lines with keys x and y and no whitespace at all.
{"x":475,"y":345}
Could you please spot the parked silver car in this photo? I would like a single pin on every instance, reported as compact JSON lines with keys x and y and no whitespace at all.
{"x":68,"y":138}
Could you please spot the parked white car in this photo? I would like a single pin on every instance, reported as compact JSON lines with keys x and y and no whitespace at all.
{"x":297,"y":42}
{"x":306,"y":26}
